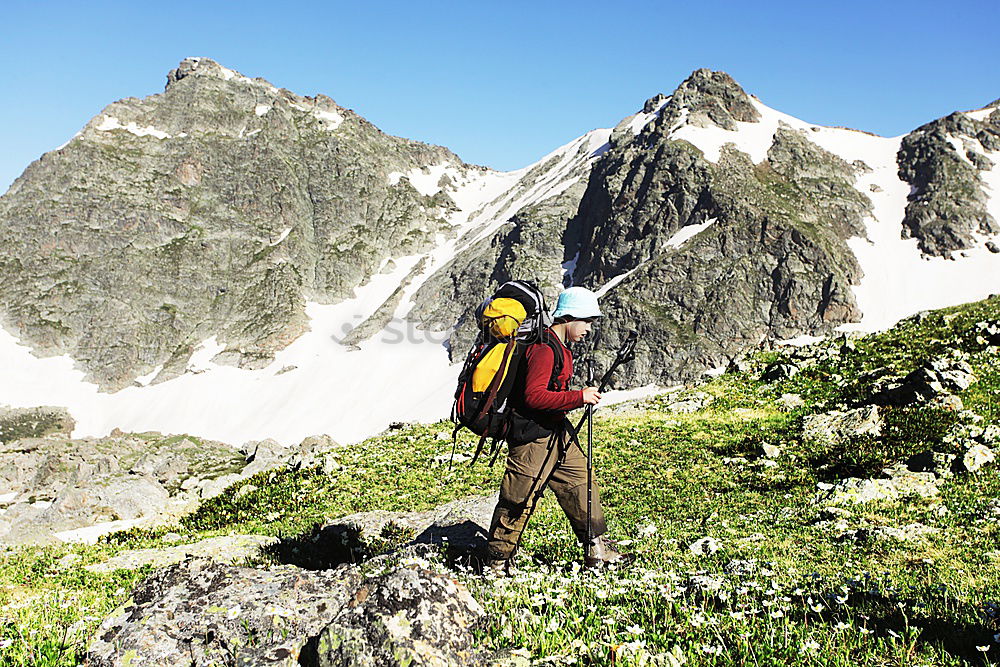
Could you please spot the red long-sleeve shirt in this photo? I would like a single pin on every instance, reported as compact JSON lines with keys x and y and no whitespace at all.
{"x":538,"y":370}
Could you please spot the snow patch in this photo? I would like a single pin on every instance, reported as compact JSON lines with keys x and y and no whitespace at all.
{"x":331,"y":120}
{"x":425,"y":180}
{"x":687,"y":232}
{"x":149,"y":377}
{"x":281,"y":237}
{"x":261,"y":109}
{"x":622,"y":395}
{"x":980,"y":114}
{"x":800,"y":341}
{"x":569,"y":268}
{"x":109,"y":123}
{"x":959,"y":147}
{"x":642,"y":119}
{"x":614,"y":282}
{"x":68,"y":141}
{"x":8,"y":497}
{"x":898,"y":281}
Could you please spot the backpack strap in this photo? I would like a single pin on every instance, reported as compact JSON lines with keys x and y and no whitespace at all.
{"x":548,"y":338}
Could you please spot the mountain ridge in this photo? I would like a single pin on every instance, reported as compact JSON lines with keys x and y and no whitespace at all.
{"x":443,"y":232}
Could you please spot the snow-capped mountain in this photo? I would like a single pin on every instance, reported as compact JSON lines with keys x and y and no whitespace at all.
{"x":233,"y":260}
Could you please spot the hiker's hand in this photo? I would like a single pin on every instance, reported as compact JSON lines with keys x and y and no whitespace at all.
{"x":591,"y":396}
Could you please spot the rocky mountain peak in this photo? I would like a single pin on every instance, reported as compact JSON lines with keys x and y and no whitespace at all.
{"x":654,"y":103}
{"x":205,"y":67}
{"x":714,"y":98}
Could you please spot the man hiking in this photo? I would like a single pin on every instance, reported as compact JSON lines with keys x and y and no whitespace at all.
{"x":542,"y":449}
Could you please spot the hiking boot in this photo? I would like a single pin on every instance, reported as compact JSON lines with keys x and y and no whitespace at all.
{"x":604,"y":554}
{"x":500,"y":567}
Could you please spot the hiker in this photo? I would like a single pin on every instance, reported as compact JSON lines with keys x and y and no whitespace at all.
{"x":542,"y":448}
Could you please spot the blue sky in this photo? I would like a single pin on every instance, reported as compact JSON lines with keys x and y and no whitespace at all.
{"x":500,"y":83}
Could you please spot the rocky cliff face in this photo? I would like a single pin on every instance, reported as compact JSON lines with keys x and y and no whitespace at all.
{"x":216,"y":208}
{"x":767,"y":256}
{"x":944,"y":161}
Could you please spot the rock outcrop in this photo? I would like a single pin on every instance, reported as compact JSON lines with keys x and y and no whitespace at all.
{"x":55,"y":487}
{"x":761,"y":252}
{"x":200,"y":612}
{"x":942,"y":161}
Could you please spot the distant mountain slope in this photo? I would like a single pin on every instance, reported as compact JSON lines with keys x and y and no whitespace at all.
{"x":217,"y":208}
{"x":292,"y":270}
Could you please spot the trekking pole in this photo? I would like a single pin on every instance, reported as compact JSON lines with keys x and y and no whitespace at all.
{"x":626,"y":353}
{"x":588,"y":549}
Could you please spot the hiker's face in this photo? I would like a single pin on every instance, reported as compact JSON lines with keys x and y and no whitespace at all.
{"x":577,"y":330}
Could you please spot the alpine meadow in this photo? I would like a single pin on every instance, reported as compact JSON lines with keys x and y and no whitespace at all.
{"x":263,"y":365}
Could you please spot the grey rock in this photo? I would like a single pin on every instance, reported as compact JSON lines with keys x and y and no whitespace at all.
{"x":838,"y":426}
{"x":60,"y":484}
{"x":405,"y":617}
{"x":948,"y":203}
{"x":992,"y":247}
{"x":988,"y":332}
{"x":200,"y":612}
{"x":977,"y":456}
{"x":689,"y":402}
{"x":461,"y":525}
{"x":99,"y":480}
{"x":791,"y":401}
{"x":897,"y":482}
{"x":940,"y":463}
{"x":944,"y":375}
{"x":706,"y":546}
{"x":742,"y":568}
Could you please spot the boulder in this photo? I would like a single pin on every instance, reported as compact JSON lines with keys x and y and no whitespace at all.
{"x":200,"y":612}
{"x":405,"y":617}
{"x":461,"y":525}
{"x":897,"y":482}
{"x":942,"y":376}
{"x":977,"y":456}
{"x":706,"y":546}
{"x":779,"y":371}
{"x":689,"y":402}
{"x":837,"y":426}
{"x":791,"y":401}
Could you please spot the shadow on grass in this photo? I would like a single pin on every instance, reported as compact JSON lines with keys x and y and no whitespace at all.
{"x":327,"y":546}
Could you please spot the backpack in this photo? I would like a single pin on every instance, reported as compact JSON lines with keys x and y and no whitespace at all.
{"x":509,"y":321}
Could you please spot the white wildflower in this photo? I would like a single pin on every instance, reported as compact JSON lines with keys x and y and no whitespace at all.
{"x":706,"y":546}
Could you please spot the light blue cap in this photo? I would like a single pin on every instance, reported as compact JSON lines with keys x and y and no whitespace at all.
{"x":577,"y":302}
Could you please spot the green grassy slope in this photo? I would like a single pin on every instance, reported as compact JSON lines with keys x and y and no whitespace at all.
{"x":790,"y":583}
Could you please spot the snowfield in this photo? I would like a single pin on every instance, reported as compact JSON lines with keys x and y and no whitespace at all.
{"x":317,"y":385}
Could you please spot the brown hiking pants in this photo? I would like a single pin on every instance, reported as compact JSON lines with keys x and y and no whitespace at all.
{"x":556,"y":462}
